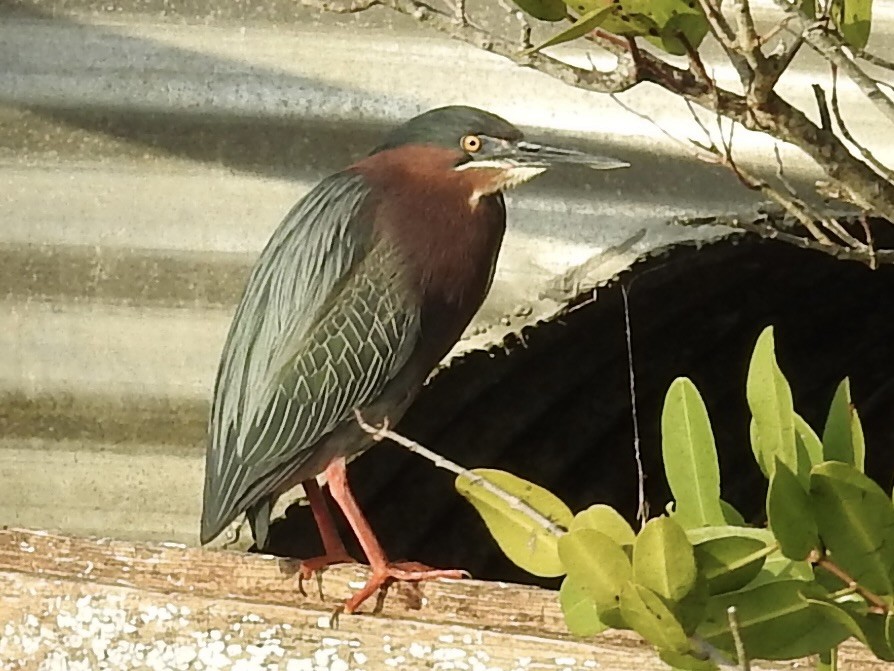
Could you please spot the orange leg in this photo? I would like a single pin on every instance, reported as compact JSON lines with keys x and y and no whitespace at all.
{"x":334,"y":551}
{"x":383,"y":571}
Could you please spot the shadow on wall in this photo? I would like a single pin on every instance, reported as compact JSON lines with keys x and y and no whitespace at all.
{"x":253,"y":118}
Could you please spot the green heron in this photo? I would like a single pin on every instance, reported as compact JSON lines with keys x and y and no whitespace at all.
{"x":365,"y":286}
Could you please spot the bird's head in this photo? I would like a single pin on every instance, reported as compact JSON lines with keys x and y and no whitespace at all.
{"x":489,"y":150}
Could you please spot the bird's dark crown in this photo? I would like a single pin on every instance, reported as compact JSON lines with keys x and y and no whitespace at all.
{"x":446,"y":126}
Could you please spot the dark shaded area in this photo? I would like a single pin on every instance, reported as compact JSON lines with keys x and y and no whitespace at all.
{"x":557,"y":411}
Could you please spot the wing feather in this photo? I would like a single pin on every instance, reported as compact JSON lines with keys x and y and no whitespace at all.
{"x":322,"y":327}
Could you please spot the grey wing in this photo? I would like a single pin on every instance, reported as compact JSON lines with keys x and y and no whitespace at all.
{"x":321,"y":329}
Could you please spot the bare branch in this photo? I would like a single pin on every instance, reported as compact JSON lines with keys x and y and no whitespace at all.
{"x":769,"y":231}
{"x":733,"y":616}
{"x":827,"y":222}
{"x":619,"y":79}
{"x":781,"y":57}
{"x":877,"y":603}
{"x":789,"y":202}
{"x":723,"y":33}
{"x":870,"y":158}
{"x":878,"y":61}
{"x":460,"y":13}
{"x":832,"y":48}
{"x":693,"y":148}
{"x":870,"y":243}
{"x":345,"y":6}
{"x":825,"y":118}
{"x":747,"y":38}
{"x":775,"y":116}
{"x":515,"y":503}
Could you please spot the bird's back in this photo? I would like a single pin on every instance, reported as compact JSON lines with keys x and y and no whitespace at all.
{"x":299,"y":355}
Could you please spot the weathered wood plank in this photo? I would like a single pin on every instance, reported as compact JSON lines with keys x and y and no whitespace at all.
{"x":70,"y":603}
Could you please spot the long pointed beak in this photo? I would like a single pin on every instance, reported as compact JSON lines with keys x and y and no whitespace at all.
{"x":543,"y":156}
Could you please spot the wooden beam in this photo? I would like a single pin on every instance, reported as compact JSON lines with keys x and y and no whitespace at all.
{"x":73,"y":603}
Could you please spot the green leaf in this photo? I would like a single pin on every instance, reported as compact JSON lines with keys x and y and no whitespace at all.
{"x":856,"y":524}
{"x":871,"y":629}
{"x":545,"y":10}
{"x":878,"y":633}
{"x":731,"y":516}
{"x":607,"y":520}
{"x":581,"y":614}
{"x":770,"y":399}
{"x":809,"y":8}
{"x":854,"y":21}
{"x":836,"y":613}
{"x":663,"y":559}
{"x":843,"y":435}
{"x":791,"y":515}
{"x":702,"y":534}
{"x":526,"y":543}
{"x":778,"y":568}
{"x":596,"y":563}
{"x":731,"y":562}
{"x":808,"y":440}
{"x":689,"y":24}
{"x":690,"y":610}
{"x":627,"y":17}
{"x":757,"y":447}
{"x":690,"y":457}
{"x":686,"y":662}
{"x":648,"y":615}
{"x":586,"y":23}
{"x":775,"y":622}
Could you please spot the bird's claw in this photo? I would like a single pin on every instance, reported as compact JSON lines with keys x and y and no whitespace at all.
{"x":412,"y":572}
{"x":314,"y":567}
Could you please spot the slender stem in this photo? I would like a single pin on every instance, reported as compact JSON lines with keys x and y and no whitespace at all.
{"x":642,"y":512}
{"x":878,"y":604}
{"x":515,"y":503}
{"x":733,"y":616}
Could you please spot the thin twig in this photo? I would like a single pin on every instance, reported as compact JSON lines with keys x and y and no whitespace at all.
{"x":876,"y":165}
{"x":878,"y":604}
{"x":878,"y":61}
{"x":459,"y":10}
{"x":761,"y":79}
{"x":827,"y":222}
{"x":733,"y":616}
{"x":770,"y":232}
{"x":779,"y":59}
{"x":694,"y":149}
{"x":825,"y":118}
{"x":515,"y":503}
{"x":696,"y":65}
{"x":870,"y":243}
{"x":724,"y":34}
{"x":642,"y":512}
{"x":792,"y":204}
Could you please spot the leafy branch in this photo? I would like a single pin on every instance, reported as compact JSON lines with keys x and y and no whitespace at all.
{"x":698,"y":583}
{"x":677,"y":27}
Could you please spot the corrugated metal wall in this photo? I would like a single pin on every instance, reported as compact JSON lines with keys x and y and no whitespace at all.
{"x":147,"y":150}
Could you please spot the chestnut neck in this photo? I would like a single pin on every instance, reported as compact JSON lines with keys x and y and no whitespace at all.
{"x":449,"y":238}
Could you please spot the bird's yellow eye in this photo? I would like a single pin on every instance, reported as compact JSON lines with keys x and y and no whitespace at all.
{"x":470,"y":143}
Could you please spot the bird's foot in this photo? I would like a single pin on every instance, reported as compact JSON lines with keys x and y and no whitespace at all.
{"x":383,"y":575}
{"x":314,"y":567}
